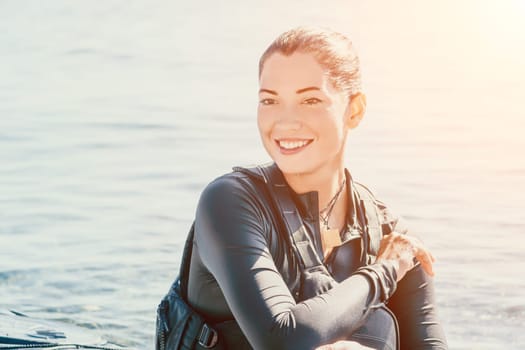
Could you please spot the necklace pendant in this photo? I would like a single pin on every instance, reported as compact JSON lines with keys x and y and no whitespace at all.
{"x":330,"y":239}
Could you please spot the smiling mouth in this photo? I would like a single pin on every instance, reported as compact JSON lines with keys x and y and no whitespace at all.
{"x":292,"y":146}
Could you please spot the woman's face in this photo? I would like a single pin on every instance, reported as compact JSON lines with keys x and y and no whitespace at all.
{"x":302,"y":117}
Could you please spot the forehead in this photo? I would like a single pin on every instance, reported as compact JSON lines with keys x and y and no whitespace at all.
{"x":296,"y":71}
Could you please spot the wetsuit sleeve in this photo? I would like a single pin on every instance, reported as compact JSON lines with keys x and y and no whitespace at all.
{"x":231,"y":236}
{"x":413,"y":302}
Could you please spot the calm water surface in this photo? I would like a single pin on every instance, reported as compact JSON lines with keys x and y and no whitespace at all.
{"x":114,"y":115}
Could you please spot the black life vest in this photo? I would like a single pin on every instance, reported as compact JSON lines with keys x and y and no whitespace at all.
{"x":180,"y":327}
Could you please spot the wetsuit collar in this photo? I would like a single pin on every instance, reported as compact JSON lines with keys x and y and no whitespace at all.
{"x":308,"y":202}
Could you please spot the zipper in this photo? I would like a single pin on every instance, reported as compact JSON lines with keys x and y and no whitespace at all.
{"x":162,"y":325}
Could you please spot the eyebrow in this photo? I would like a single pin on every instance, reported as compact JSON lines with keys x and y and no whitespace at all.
{"x":300,"y":91}
{"x":268,"y":91}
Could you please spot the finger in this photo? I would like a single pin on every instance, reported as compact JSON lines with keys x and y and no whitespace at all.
{"x":385,"y":243}
{"x":427,"y":268}
{"x":421,"y":254}
{"x":390,"y":237}
{"x":420,"y":250}
{"x":426,"y":260}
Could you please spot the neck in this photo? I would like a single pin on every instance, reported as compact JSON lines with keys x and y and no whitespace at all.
{"x":326,"y":181}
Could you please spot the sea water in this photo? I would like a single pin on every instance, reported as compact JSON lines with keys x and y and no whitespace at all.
{"x":114,"y":115}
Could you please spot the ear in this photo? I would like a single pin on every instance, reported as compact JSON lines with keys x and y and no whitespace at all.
{"x":356,"y":110}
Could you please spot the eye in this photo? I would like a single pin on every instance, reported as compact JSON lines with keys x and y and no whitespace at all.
{"x":267,"y":101}
{"x":312,"y":101}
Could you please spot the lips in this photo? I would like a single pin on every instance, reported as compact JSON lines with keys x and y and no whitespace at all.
{"x":290,"y":146}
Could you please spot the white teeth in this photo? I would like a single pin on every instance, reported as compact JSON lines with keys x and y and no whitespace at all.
{"x":292,"y":144}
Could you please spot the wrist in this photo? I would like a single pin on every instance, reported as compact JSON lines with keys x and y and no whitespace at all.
{"x":383,"y":275}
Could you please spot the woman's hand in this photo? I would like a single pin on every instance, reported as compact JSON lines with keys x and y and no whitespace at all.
{"x":344,"y":345}
{"x":401,"y":249}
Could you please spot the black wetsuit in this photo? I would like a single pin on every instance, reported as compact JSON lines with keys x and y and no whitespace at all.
{"x":242,"y":268}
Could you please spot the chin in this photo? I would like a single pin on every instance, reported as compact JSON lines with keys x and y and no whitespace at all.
{"x":294,"y":167}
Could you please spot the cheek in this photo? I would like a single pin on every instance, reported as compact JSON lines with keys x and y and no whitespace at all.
{"x":332,"y":130}
{"x":263,"y":123}
{"x":324,"y":120}
{"x":260,"y":123}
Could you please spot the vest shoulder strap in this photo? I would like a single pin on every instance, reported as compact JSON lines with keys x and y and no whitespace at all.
{"x":372,"y":217}
{"x":280,"y":193}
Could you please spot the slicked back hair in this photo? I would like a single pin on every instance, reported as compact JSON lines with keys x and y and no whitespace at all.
{"x":332,"y":50}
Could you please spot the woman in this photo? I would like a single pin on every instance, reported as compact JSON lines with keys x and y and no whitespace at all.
{"x":243,"y":269}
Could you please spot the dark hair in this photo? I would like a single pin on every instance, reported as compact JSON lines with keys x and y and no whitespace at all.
{"x":332,"y":50}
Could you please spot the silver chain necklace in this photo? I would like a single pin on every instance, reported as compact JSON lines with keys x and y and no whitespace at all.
{"x":330,"y":206}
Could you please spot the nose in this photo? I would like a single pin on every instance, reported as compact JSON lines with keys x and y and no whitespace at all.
{"x":288,"y":121}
